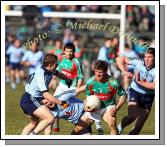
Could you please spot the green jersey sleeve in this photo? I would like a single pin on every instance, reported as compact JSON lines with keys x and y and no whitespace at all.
{"x":118,"y":87}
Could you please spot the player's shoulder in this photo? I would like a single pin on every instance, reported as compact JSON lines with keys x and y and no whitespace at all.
{"x":40,"y":70}
{"x":91,"y":80}
{"x":28,"y":52}
{"x":76,"y":60}
{"x":40,"y":52}
{"x":113,"y":82}
{"x":11,"y":48}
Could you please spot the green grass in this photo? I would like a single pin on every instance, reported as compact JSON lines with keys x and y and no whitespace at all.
{"x":15,"y":119}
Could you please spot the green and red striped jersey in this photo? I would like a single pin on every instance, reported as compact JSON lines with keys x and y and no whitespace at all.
{"x":106,"y":91}
{"x":72,"y":69}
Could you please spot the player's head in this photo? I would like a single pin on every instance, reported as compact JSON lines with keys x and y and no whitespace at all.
{"x":107,"y":42}
{"x":58,"y":44}
{"x":34,"y":46}
{"x":48,"y":103}
{"x":69,"y":50}
{"x":149,"y":57}
{"x":101,"y":70}
{"x":17,"y":43}
{"x":50,"y":62}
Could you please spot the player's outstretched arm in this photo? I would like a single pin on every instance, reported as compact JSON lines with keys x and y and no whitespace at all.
{"x":120,"y":102}
{"x":121,"y":63}
{"x":80,"y":89}
{"x":63,"y":77}
{"x":51,"y":98}
{"x":147,"y":85}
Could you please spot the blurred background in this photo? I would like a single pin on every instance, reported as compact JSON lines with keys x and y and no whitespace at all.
{"x":25,"y":23}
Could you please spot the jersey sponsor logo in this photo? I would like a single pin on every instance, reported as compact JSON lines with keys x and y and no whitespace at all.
{"x":104,"y":96}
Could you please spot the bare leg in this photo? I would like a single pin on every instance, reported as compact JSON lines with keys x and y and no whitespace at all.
{"x":111,"y":121}
{"x":47,"y":117}
{"x":126,"y":82}
{"x":12,"y":78}
{"x":48,"y":130}
{"x":81,"y":125}
{"x":33,"y":123}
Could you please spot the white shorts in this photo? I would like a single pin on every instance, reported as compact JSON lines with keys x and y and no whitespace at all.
{"x":96,"y":116}
{"x":61,"y":88}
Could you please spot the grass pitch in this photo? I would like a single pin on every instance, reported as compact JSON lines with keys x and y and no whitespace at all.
{"x":15,"y":119}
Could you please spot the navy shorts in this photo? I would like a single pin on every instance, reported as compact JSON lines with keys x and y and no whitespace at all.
{"x":29,"y":104}
{"x":143,"y":101}
{"x":16,"y":66}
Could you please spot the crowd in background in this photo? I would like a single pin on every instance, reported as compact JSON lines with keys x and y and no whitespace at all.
{"x":140,"y":20}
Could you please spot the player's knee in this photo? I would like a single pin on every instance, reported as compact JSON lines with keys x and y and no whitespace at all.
{"x":112,"y":122}
{"x":34,"y":124}
{"x":50,"y":119}
{"x":90,"y":121}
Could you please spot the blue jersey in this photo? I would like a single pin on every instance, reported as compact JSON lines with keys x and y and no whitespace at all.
{"x":36,"y":59}
{"x":131,"y":55}
{"x":38,"y":82}
{"x":75,"y":109}
{"x":15,"y":54}
{"x":103,"y":54}
{"x":145,"y":75}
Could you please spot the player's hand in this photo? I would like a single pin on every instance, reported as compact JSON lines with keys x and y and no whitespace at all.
{"x":128,"y":74}
{"x":88,"y":109}
{"x":64,"y":104}
{"x":113,"y":111}
{"x":68,"y":82}
{"x":137,"y":76}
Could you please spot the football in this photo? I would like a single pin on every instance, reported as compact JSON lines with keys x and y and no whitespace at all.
{"x":92,"y":102}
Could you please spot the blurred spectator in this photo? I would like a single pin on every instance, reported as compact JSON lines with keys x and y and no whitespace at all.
{"x":58,"y":49}
{"x":16,"y":53}
{"x":112,"y":56}
{"x":48,"y":46}
{"x":32,"y":58}
{"x":67,"y":36}
{"x":139,"y":47}
{"x":104,"y":51}
{"x":131,"y":18}
{"x":46,"y":8}
{"x":10,"y":38}
{"x":30,"y":12}
{"x":140,"y":19}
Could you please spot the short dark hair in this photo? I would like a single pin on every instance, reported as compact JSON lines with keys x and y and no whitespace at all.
{"x":151,"y":50}
{"x":49,"y":59}
{"x":101,"y":65}
{"x":70,"y":46}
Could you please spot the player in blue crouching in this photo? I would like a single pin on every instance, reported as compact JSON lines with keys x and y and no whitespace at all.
{"x":73,"y":113}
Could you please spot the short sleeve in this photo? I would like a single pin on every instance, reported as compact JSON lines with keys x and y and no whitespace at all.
{"x":120,"y":90}
{"x":40,"y":79}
